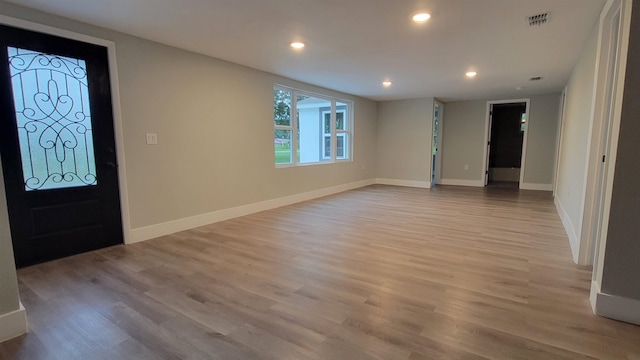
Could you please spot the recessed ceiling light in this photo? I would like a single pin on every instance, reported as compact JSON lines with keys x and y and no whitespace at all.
{"x":297,"y":45}
{"x":386,"y":83}
{"x":421,"y":17}
{"x":471,"y":74}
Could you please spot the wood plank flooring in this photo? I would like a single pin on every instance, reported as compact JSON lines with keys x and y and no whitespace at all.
{"x":376,"y":273}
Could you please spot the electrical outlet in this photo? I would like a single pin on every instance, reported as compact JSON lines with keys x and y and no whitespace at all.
{"x":152,"y":139}
{"x":466,"y":167}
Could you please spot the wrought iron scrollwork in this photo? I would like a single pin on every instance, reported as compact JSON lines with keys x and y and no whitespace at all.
{"x":51,"y":99}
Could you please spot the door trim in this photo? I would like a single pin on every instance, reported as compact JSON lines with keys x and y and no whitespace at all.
{"x":591,"y":240}
{"x":487,"y":136}
{"x":115,"y":94}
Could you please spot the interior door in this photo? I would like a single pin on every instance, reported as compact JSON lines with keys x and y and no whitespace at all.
{"x":57,"y":146}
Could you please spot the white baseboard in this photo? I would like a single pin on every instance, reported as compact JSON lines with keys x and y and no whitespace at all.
{"x":613,"y":306}
{"x":408,"y":183}
{"x":13,"y":324}
{"x":456,"y":182}
{"x":570,"y":230}
{"x":170,"y":227}
{"x":593,"y":295}
{"x":539,"y":187}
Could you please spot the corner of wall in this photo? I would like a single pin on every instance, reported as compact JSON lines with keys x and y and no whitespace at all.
{"x":613,"y":306}
{"x":13,"y":324}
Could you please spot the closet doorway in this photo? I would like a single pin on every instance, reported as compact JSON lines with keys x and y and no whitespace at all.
{"x":506,"y":143}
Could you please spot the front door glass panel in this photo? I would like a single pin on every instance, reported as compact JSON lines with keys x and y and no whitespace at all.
{"x":53,"y":116}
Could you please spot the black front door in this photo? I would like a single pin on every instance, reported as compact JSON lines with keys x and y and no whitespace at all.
{"x":57,"y":146}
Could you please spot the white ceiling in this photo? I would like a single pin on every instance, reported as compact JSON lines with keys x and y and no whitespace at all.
{"x":353,"y":45}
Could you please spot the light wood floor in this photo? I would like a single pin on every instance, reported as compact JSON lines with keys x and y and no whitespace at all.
{"x":376,"y":273}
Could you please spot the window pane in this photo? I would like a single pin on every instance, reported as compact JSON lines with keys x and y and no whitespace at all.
{"x":282,"y":107}
{"x":282,"y":145}
{"x":314,"y":116}
{"x":51,"y":98}
{"x":342,"y":148}
{"x":341,"y":116}
{"x":327,"y":121}
{"x":326,"y":147}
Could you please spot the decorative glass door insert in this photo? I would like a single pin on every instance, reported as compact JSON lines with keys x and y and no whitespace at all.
{"x":51,"y":99}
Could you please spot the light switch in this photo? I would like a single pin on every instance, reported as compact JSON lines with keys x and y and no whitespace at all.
{"x":152,"y":139}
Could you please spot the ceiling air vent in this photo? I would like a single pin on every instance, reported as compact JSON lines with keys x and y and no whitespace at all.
{"x":538,"y":19}
{"x":536,"y":78}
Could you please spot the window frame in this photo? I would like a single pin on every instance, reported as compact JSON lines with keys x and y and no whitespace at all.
{"x":294,"y":128}
{"x":343,"y":132}
{"x":324,"y":135}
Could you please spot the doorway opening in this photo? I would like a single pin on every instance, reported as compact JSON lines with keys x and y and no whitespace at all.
{"x":506,"y":143}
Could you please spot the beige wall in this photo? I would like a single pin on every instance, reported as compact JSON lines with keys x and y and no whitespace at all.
{"x":621,"y":265}
{"x":8,"y":279}
{"x":463,"y":129}
{"x":464,"y":136}
{"x":215,"y":130}
{"x":574,"y":143}
{"x":214,"y":122}
{"x":405,"y":130}
{"x":542,"y":139}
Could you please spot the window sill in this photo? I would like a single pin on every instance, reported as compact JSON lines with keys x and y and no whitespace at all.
{"x":284,"y":166}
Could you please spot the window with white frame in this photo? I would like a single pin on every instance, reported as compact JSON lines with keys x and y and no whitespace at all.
{"x":310,"y":128}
